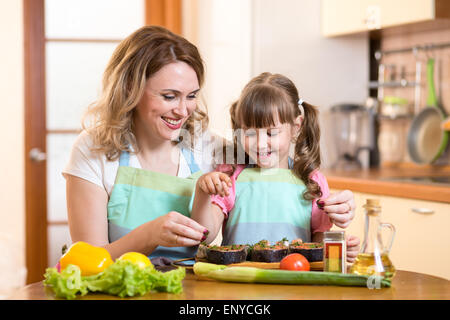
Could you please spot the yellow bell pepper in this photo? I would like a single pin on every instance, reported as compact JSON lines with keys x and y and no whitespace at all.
{"x":89,"y":258}
{"x":141,"y":260}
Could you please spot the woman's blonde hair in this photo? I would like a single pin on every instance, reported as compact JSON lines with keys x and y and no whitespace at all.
{"x":268,"y":95}
{"x":136,"y":59}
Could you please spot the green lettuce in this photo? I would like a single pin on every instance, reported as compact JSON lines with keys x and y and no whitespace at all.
{"x":122,"y":278}
{"x":66,"y":284}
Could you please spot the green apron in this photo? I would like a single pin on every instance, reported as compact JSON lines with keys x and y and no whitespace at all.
{"x":270,"y":206}
{"x":139,"y":196}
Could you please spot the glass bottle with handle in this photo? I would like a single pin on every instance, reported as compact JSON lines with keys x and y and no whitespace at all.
{"x":373,"y":258}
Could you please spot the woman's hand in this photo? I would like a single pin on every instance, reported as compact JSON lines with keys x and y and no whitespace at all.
{"x":215,"y":183}
{"x":340,"y":207}
{"x":176,"y":230}
{"x":352,"y":248}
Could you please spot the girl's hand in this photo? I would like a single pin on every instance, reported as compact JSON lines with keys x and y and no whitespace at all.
{"x":176,"y":230}
{"x":215,"y":183}
{"x":340,"y":207}
{"x":352,"y":248}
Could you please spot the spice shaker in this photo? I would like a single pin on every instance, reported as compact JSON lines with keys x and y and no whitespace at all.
{"x":334,"y":255}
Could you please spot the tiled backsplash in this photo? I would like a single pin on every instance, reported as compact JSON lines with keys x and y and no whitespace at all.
{"x":396,"y":130}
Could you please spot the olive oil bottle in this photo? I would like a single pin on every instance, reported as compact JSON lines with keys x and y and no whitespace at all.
{"x":373,"y":258}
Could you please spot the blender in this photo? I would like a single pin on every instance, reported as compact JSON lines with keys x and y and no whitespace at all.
{"x":353,"y":132}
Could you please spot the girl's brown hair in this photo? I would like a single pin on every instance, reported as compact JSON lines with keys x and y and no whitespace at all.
{"x":274,"y":94}
{"x":136,"y":59}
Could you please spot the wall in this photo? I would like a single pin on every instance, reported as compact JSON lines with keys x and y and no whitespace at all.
{"x":12,"y":201}
{"x":222,"y":31}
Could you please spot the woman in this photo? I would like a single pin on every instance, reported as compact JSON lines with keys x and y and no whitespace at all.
{"x":132,"y":170}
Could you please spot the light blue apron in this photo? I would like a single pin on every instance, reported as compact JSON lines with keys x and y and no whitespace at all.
{"x":269,"y":206}
{"x":139,"y":196}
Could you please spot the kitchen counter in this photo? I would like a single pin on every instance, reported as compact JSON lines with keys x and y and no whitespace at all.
{"x":405,"y":285}
{"x":412,"y":182}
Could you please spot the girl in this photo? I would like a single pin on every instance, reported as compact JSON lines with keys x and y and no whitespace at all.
{"x":266,"y":194}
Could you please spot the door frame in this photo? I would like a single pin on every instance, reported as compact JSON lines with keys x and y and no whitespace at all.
{"x":166,"y":13}
{"x":35,"y":172}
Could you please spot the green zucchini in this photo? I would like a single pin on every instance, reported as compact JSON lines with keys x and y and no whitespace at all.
{"x":257,"y":275}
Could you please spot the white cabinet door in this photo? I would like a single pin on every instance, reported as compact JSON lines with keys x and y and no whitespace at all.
{"x":341,"y":17}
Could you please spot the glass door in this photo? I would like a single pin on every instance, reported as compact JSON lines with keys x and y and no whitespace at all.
{"x":80,"y":36}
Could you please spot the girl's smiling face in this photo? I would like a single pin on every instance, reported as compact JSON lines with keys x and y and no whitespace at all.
{"x":169,"y":99}
{"x":269,"y":147}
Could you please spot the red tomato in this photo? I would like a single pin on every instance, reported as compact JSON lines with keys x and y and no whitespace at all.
{"x":295,"y":262}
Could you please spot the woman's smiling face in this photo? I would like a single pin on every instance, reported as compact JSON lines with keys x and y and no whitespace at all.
{"x":169,"y":99}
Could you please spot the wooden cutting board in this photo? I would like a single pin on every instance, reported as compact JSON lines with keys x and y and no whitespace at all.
{"x":314,"y":266}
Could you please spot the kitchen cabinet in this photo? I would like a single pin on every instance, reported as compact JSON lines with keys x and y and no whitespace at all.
{"x":341,"y":17}
{"x":422,"y":240}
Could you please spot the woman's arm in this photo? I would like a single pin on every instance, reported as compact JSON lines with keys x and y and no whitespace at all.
{"x":87,"y":211}
{"x":87,"y":214}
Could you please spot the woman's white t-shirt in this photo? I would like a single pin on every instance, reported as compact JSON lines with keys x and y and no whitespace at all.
{"x":95,"y":168}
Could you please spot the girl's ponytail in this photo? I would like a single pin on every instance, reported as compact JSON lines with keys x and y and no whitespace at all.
{"x":307,"y":151}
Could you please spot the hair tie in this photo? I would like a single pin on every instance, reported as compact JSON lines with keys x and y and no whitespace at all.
{"x":300,"y":106}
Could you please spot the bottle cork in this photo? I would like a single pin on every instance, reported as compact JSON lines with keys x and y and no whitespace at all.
{"x":372,"y":206}
{"x":373,"y":202}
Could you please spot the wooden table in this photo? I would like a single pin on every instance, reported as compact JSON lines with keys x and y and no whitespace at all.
{"x":405,"y":285}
